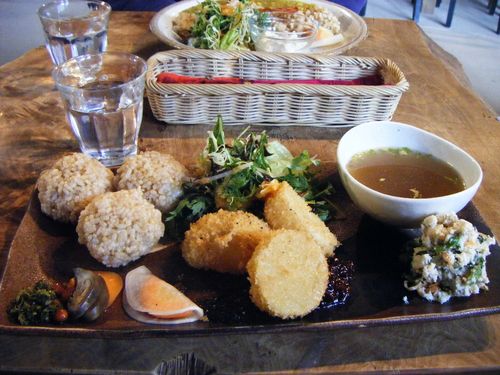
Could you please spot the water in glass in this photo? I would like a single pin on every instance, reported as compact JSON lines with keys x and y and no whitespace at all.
{"x":63,"y":47}
{"x":74,"y":28}
{"x":103,"y":98}
{"x":107,"y":130}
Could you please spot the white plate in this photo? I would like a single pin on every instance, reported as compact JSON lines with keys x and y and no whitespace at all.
{"x":353,"y":27}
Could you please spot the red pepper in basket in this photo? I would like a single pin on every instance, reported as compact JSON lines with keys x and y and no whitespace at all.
{"x":176,"y":78}
{"x":366,"y":81}
{"x":374,"y":80}
{"x":224,"y":80}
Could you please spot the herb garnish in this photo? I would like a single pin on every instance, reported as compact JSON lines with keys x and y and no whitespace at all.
{"x":233,"y":174}
{"x":35,"y":305}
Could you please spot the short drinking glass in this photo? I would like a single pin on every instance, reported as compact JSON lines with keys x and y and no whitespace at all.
{"x":75,"y":27}
{"x":103,"y":98}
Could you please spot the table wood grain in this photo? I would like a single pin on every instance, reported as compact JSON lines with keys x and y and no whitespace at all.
{"x":34,"y":133}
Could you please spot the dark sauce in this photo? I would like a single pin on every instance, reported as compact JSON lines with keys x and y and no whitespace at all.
{"x":232,"y":304}
{"x":402,"y":172}
{"x":338,"y":290}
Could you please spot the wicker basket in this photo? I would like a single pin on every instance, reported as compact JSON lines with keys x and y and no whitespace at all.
{"x":272,"y":104}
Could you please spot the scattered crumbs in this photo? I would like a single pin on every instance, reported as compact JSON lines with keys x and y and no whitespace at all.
{"x":381,"y":179}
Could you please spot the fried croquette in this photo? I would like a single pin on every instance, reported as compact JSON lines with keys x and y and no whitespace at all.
{"x":223,"y":241}
{"x":288,"y":274}
{"x":285,"y":209}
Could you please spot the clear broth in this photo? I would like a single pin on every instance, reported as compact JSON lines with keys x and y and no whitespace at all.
{"x":405,"y":173}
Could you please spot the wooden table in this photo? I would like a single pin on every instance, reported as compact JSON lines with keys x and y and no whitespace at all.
{"x":34,"y":133}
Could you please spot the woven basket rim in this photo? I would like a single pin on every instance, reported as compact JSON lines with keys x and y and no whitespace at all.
{"x":278,"y":104}
{"x":210,"y":89}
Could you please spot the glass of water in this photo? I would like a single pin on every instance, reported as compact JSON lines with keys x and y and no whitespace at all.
{"x":103,"y":98}
{"x":74,"y":27}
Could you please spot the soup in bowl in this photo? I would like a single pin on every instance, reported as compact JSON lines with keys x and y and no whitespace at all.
{"x":399,"y":174}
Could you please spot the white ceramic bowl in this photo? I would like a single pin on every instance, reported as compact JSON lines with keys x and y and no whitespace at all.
{"x":404,"y":212}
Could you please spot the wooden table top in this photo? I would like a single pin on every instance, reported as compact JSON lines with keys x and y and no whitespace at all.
{"x":34,"y":133}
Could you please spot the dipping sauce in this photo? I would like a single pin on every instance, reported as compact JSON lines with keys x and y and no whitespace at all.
{"x":405,"y":173}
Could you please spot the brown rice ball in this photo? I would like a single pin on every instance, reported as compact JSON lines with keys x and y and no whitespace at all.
{"x":65,"y":189}
{"x":223,"y":241}
{"x":288,"y":274}
{"x":159,"y":176}
{"x":285,"y":209}
{"x":119,"y":227}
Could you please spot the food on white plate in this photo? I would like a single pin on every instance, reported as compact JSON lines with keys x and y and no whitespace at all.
{"x":67,"y":187}
{"x":311,"y":13}
{"x":325,"y":37}
{"x":449,"y":259}
{"x":150,"y":299}
{"x":288,"y":274}
{"x":159,"y":176}
{"x":285,"y":209}
{"x":227,"y":24}
{"x":119,"y":227}
{"x":223,"y":241}
{"x":183,"y":23}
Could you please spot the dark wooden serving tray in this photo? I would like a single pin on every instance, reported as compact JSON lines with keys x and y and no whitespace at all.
{"x":44,"y":249}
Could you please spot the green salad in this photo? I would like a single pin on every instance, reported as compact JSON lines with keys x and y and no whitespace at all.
{"x":231,"y":175}
{"x":234,"y":24}
{"x":225,"y":28}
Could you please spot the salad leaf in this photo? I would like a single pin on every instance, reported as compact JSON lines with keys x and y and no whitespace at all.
{"x":279,"y":159}
{"x":198,"y":200}
{"x":234,"y":173}
{"x":215,"y":29}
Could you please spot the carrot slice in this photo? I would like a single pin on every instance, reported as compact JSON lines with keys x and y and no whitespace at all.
{"x":114,"y":283}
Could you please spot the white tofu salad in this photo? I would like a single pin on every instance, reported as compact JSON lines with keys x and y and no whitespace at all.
{"x":449,"y":259}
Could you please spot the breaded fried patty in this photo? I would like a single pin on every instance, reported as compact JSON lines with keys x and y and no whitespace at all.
{"x":223,"y":241}
{"x":288,"y":274}
{"x":285,"y":209}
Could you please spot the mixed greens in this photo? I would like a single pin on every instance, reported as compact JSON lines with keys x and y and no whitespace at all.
{"x":231,"y":176}
{"x":224,"y":28}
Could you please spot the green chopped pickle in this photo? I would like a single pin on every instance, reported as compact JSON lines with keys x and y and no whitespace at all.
{"x":449,"y":259}
{"x":35,"y":305}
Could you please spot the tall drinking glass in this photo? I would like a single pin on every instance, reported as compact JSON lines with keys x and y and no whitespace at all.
{"x":103,"y":98}
{"x":75,"y":27}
